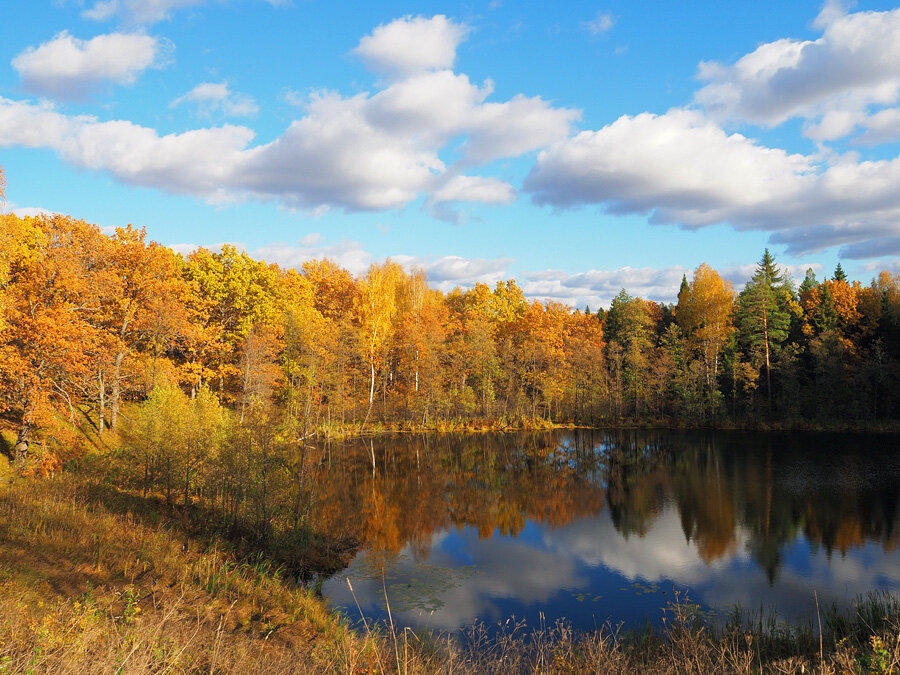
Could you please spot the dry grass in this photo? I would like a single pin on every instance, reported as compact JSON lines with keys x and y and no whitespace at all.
{"x":689,"y":643}
{"x":86,"y":589}
{"x":83,"y":590}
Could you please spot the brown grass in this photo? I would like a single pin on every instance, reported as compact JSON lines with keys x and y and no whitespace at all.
{"x":87,"y":589}
{"x":688,"y":643}
{"x":83,"y":590}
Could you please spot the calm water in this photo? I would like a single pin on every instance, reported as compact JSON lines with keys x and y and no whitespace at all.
{"x":592,"y":526}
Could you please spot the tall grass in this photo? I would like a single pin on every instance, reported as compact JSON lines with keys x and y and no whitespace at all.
{"x":865,"y":640}
{"x":83,"y":590}
{"x":87,"y":589}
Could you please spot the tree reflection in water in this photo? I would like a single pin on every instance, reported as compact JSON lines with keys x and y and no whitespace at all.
{"x":736,"y":495}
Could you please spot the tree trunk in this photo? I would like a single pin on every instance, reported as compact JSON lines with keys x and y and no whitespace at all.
{"x":20,"y":458}
{"x":768,"y":370}
{"x":116,"y":390}
{"x":101,"y":415}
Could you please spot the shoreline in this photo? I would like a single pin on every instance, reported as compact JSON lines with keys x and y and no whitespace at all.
{"x":131,"y":596}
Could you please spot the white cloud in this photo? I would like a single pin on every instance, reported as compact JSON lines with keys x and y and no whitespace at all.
{"x":685,"y":169}
{"x":680,"y":164}
{"x":215,"y":97}
{"x":25,"y":211}
{"x":200,"y":162}
{"x":517,"y":126}
{"x":891,"y":265}
{"x":444,"y":273}
{"x":365,"y":152}
{"x":334,"y":156}
{"x":831,"y":81}
{"x":475,"y":189}
{"x":348,"y":254}
{"x":412,"y":44}
{"x":598,"y":287}
{"x":102,"y":10}
{"x":450,"y":271}
{"x":71,"y":69}
{"x":435,"y":107}
{"x":882,"y":127}
{"x":136,"y":12}
{"x":600,"y":24}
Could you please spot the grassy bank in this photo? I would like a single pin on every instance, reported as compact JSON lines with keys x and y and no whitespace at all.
{"x":85,"y":590}
{"x":90,"y":589}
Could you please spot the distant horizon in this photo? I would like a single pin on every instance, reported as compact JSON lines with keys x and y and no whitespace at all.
{"x":579,"y":149}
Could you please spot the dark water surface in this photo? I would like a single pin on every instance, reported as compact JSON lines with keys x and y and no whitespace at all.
{"x":593,"y":526}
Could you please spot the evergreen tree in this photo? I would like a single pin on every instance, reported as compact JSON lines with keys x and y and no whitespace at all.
{"x":839,"y":273}
{"x":763,"y":320}
{"x":825,"y":317}
{"x":684,"y":291}
{"x":809,"y":282}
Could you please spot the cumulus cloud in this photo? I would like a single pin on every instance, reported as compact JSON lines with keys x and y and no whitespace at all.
{"x":215,"y":97}
{"x":347,"y":253}
{"x":684,"y":168}
{"x":71,"y":69}
{"x":199,"y":162}
{"x":412,"y":44}
{"x":435,"y":107}
{"x":364,"y":152}
{"x":475,"y":189}
{"x":334,"y":156}
{"x":598,"y":287}
{"x":450,"y":271}
{"x":831,"y":81}
{"x":882,"y":127}
{"x":680,"y":164}
{"x":444,"y":272}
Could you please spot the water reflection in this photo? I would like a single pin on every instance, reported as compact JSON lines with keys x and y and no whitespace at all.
{"x":595,"y":526}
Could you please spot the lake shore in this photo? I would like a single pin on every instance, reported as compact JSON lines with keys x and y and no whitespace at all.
{"x":88,"y":586}
{"x":525,"y":424}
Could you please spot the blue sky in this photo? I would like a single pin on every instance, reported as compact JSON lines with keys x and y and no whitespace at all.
{"x":578,"y":147}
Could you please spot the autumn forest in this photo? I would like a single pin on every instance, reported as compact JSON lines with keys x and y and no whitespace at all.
{"x":91,"y":322}
{"x":240,"y":400}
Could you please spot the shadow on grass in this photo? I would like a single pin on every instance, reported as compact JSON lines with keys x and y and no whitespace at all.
{"x":299,"y":555}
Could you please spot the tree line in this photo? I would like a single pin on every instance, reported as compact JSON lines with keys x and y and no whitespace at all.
{"x":91,"y":323}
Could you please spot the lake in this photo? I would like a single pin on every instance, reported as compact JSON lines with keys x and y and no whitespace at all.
{"x":592,"y":526}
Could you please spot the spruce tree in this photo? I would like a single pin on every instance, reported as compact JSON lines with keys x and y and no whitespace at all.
{"x":839,"y":273}
{"x":763,"y":320}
